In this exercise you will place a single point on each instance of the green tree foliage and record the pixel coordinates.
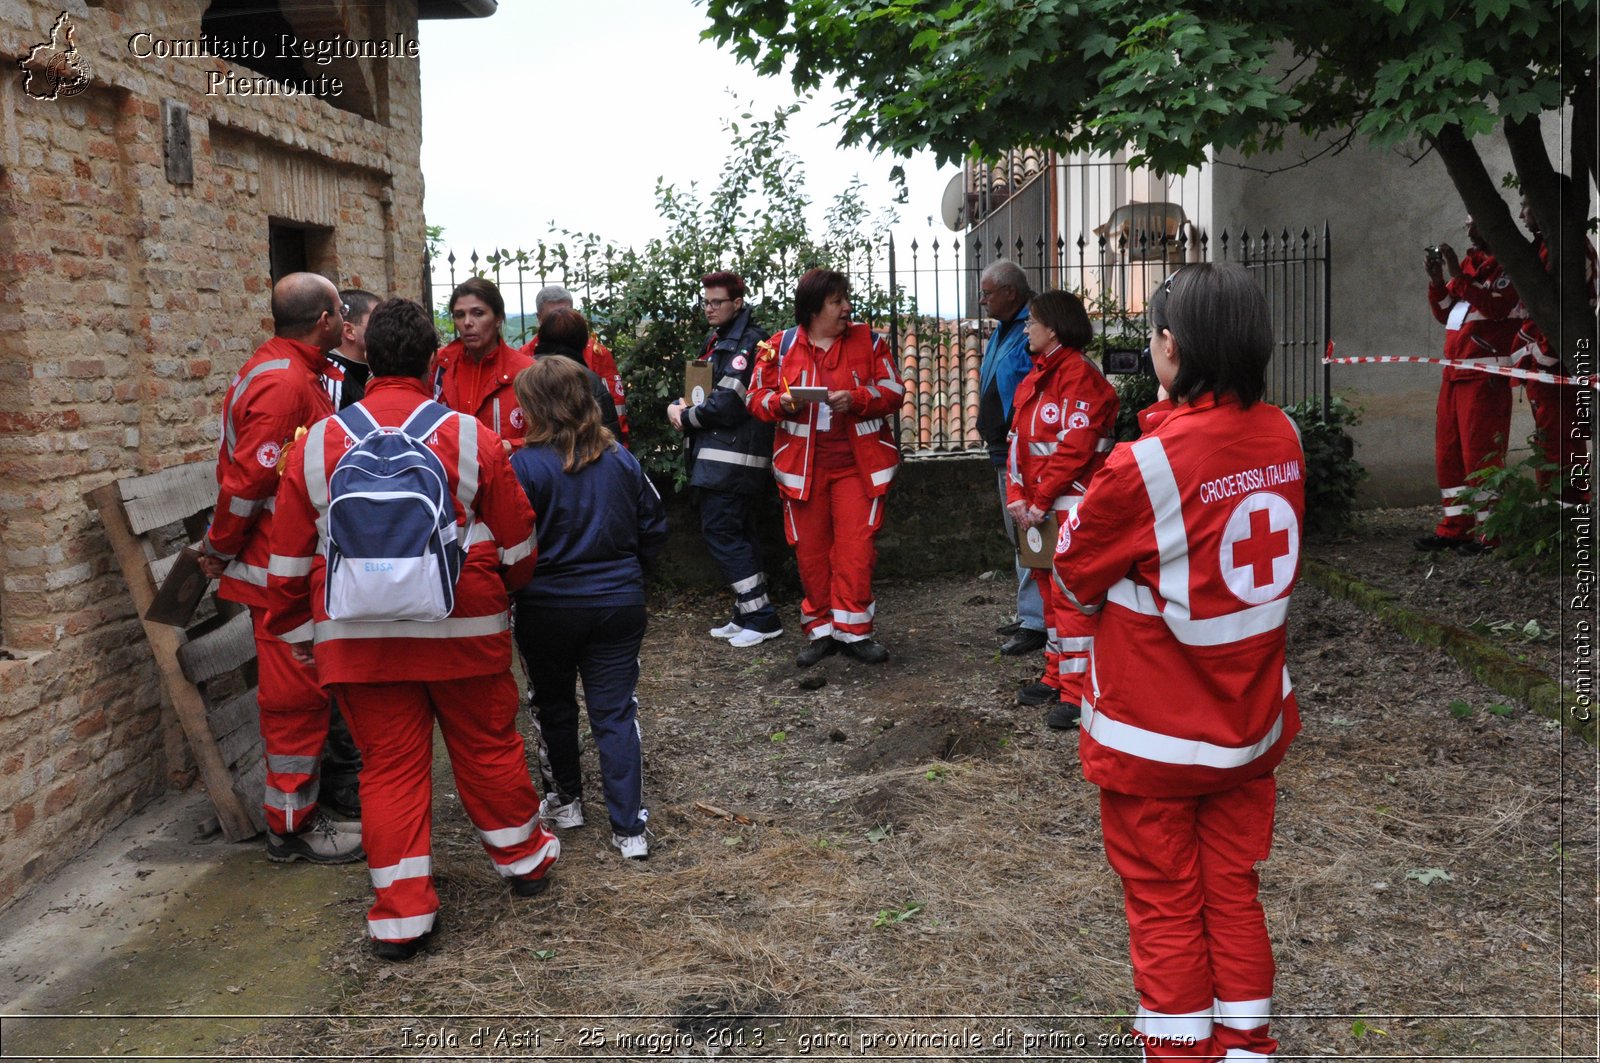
(644, 301)
(1169, 79)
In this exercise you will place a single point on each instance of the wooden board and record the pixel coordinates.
(129, 511)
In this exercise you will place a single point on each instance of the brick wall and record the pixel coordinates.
(126, 304)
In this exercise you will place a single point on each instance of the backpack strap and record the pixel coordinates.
(790, 334)
(436, 410)
(357, 421)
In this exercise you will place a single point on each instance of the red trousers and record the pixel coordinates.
(1202, 961)
(1563, 434)
(1069, 635)
(834, 535)
(294, 728)
(393, 725)
(1472, 424)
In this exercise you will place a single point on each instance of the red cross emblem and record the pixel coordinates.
(1260, 547)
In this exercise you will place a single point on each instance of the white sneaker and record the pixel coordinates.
(324, 842)
(726, 631)
(746, 637)
(632, 846)
(561, 812)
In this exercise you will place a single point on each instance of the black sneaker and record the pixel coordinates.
(867, 651)
(399, 951)
(1064, 717)
(1026, 641)
(816, 650)
(530, 887)
(1008, 629)
(1037, 693)
(1431, 544)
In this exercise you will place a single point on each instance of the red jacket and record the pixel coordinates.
(482, 389)
(1190, 538)
(475, 639)
(597, 356)
(1063, 424)
(877, 394)
(1481, 313)
(276, 392)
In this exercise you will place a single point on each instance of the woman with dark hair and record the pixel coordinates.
(600, 524)
(1063, 422)
(473, 373)
(564, 333)
(1187, 542)
(833, 458)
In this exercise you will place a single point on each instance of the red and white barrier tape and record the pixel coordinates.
(1482, 367)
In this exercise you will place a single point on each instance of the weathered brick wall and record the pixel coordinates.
(126, 305)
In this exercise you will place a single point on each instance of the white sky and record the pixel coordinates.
(630, 83)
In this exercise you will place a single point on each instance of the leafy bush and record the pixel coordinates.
(1524, 519)
(644, 301)
(1134, 393)
(1332, 472)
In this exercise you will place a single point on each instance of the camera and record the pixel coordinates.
(1434, 253)
(1126, 361)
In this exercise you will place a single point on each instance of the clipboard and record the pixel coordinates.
(697, 383)
(1036, 546)
(181, 592)
(808, 395)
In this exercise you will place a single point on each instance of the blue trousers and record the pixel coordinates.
(600, 644)
(727, 521)
(1030, 606)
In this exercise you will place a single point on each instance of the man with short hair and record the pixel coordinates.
(1004, 293)
(276, 396)
(730, 458)
(345, 376)
(395, 677)
(596, 355)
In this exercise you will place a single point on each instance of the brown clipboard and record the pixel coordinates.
(181, 592)
(1036, 546)
(697, 383)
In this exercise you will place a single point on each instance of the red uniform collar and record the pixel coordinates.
(312, 358)
(399, 383)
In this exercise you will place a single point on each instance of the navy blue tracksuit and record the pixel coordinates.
(730, 461)
(583, 614)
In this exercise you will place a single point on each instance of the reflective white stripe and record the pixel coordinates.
(288, 567)
(316, 470)
(464, 627)
(1242, 1014)
(1192, 1026)
(789, 479)
(528, 864)
(412, 926)
(1288, 687)
(254, 575)
(1077, 645)
(732, 383)
(877, 396)
(303, 633)
(844, 616)
(891, 384)
(872, 513)
(1066, 501)
(244, 507)
(1211, 631)
(690, 418)
(1043, 450)
(883, 476)
(755, 605)
(410, 867)
(1072, 665)
(1454, 511)
(1451, 492)
(1245, 1053)
(732, 457)
(622, 409)
(1168, 749)
(745, 586)
(1104, 444)
(502, 837)
(230, 431)
(467, 462)
(819, 632)
(797, 429)
(478, 533)
(1172, 541)
(304, 797)
(869, 426)
(518, 552)
(291, 765)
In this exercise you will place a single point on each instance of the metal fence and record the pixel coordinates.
(923, 297)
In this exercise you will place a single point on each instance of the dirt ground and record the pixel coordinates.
(914, 866)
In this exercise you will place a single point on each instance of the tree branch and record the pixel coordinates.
(1561, 209)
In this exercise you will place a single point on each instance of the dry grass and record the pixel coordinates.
(769, 929)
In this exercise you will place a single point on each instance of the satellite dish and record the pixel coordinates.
(953, 203)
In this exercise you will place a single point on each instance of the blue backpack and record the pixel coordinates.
(393, 552)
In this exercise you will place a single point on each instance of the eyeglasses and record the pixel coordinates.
(1167, 287)
(344, 309)
(715, 304)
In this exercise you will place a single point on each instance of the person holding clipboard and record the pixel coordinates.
(831, 387)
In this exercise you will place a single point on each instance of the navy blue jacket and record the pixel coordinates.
(728, 449)
(598, 529)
